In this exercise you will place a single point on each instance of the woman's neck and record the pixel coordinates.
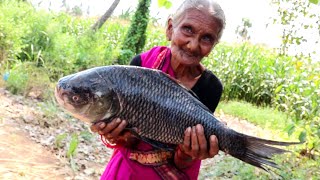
(182, 70)
(187, 75)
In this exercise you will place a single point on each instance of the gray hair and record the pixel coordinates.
(211, 6)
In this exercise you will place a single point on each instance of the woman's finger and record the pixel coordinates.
(96, 127)
(110, 127)
(117, 130)
(186, 141)
(202, 142)
(214, 146)
(194, 143)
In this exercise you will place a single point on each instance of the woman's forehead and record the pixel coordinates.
(196, 13)
(198, 17)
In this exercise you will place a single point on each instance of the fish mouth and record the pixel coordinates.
(60, 95)
(62, 98)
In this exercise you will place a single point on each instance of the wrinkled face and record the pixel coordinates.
(192, 36)
(86, 96)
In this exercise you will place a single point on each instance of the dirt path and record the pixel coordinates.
(28, 138)
(21, 157)
(27, 143)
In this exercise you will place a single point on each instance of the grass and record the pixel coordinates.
(264, 117)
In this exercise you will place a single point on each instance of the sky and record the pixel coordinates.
(257, 11)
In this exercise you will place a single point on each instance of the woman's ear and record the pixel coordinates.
(169, 29)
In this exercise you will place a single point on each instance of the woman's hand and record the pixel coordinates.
(195, 147)
(110, 131)
(195, 144)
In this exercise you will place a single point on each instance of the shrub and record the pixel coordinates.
(136, 35)
(25, 78)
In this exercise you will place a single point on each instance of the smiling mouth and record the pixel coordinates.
(188, 54)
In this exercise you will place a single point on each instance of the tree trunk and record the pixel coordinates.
(106, 15)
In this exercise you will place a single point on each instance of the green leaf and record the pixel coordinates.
(86, 135)
(311, 144)
(164, 3)
(302, 136)
(278, 89)
(59, 139)
(314, 1)
(290, 129)
(73, 145)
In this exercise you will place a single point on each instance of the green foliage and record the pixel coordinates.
(58, 43)
(165, 3)
(136, 35)
(291, 167)
(46, 46)
(59, 140)
(26, 77)
(314, 1)
(155, 37)
(227, 167)
(36, 38)
(11, 43)
(264, 117)
(17, 81)
(255, 75)
(87, 136)
(242, 30)
(73, 146)
(299, 164)
(246, 71)
(50, 110)
(126, 15)
(303, 167)
(76, 48)
(298, 18)
(298, 94)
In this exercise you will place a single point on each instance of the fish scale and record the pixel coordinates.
(144, 98)
(158, 110)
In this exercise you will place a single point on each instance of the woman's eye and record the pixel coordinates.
(187, 29)
(208, 39)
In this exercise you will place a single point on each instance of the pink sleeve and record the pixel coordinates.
(193, 170)
(149, 57)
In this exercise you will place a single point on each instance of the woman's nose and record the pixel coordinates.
(193, 45)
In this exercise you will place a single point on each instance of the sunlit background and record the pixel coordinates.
(260, 14)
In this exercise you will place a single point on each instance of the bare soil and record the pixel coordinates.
(29, 148)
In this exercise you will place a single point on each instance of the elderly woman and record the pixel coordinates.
(193, 30)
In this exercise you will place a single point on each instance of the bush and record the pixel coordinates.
(25, 78)
(136, 36)
(11, 42)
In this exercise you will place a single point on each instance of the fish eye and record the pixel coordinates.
(75, 98)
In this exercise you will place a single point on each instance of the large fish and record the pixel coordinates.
(157, 109)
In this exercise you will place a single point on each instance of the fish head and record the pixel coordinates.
(87, 96)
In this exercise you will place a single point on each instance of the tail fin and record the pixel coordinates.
(259, 152)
